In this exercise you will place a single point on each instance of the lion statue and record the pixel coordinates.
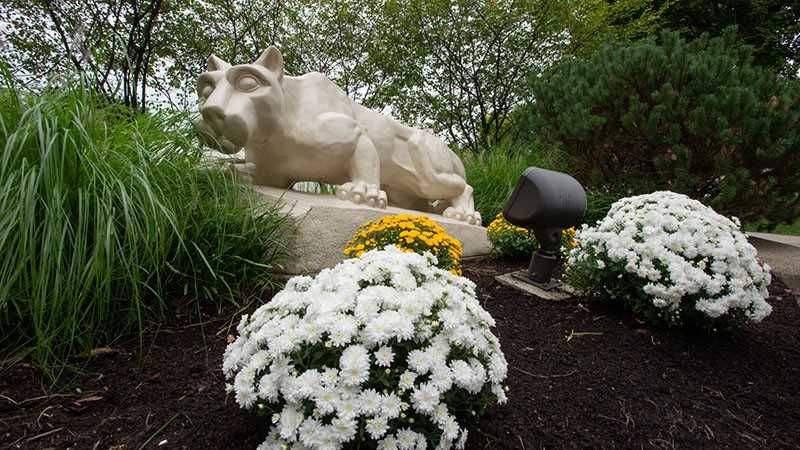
(306, 128)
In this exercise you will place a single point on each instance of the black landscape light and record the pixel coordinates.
(546, 202)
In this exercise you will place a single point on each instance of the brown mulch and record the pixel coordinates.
(580, 376)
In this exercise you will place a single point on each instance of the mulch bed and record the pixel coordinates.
(580, 376)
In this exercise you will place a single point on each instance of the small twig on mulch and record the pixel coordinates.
(33, 399)
(100, 351)
(573, 334)
(572, 372)
(153, 436)
(495, 438)
(46, 433)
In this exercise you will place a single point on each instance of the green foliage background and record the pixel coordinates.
(692, 117)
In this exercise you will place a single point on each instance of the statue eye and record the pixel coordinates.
(247, 83)
(206, 90)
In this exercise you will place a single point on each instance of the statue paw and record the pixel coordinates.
(471, 217)
(474, 218)
(360, 192)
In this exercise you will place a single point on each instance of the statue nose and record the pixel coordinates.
(214, 116)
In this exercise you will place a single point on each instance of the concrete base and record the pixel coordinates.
(325, 224)
(781, 238)
(510, 280)
(783, 258)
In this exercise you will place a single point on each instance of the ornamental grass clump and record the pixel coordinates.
(383, 351)
(410, 233)
(513, 242)
(108, 220)
(672, 261)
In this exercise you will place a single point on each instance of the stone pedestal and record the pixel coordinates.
(325, 224)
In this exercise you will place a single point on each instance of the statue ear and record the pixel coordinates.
(215, 64)
(272, 60)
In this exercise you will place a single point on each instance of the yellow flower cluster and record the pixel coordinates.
(568, 239)
(410, 233)
(501, 225)
(511, 241)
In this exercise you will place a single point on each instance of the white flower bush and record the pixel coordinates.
(672, 260)
(385, 350)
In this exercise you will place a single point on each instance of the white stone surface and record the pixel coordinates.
(509, 280)
(325, 224)
(306, 128)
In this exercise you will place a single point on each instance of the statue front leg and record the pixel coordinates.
(365, 176)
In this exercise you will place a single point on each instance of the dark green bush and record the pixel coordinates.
(691, 117)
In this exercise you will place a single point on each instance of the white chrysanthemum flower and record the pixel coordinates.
(290, 421)
(377, 427)
(388, 443)
(347, 408)
(500, 393)
(425, 398)
(268, 387)
(407, 380)
(462, 373)
(308, 354)
(682, 251)
(406, 439)
(442, 377)
(326, 399)
(391, 405)
(384, 356)
(388, 325)
(354, 365)
(329, 377)
(462, 441)
(370, 401)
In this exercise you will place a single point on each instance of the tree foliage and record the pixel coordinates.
(109, 42)
(457, 66)
(693, 117)
(772, 27)
(593, 23)
(340, 38)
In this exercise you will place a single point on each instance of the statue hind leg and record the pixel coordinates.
(435, 183)
(449, 185)
(462, 207)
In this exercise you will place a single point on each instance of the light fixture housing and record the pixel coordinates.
(546, 202)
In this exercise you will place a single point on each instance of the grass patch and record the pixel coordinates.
(105, 219)
(792, 229)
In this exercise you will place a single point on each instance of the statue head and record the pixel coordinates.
(243, 103)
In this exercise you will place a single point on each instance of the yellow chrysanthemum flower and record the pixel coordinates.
(511, 241)
(410, 233)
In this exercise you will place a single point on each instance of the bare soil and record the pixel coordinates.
(580, 376)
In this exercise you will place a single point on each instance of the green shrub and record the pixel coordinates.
(692, 117)
(106, 220)
(494, 172)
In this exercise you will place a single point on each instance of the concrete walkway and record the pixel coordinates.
(782, 253)
(782, 238)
